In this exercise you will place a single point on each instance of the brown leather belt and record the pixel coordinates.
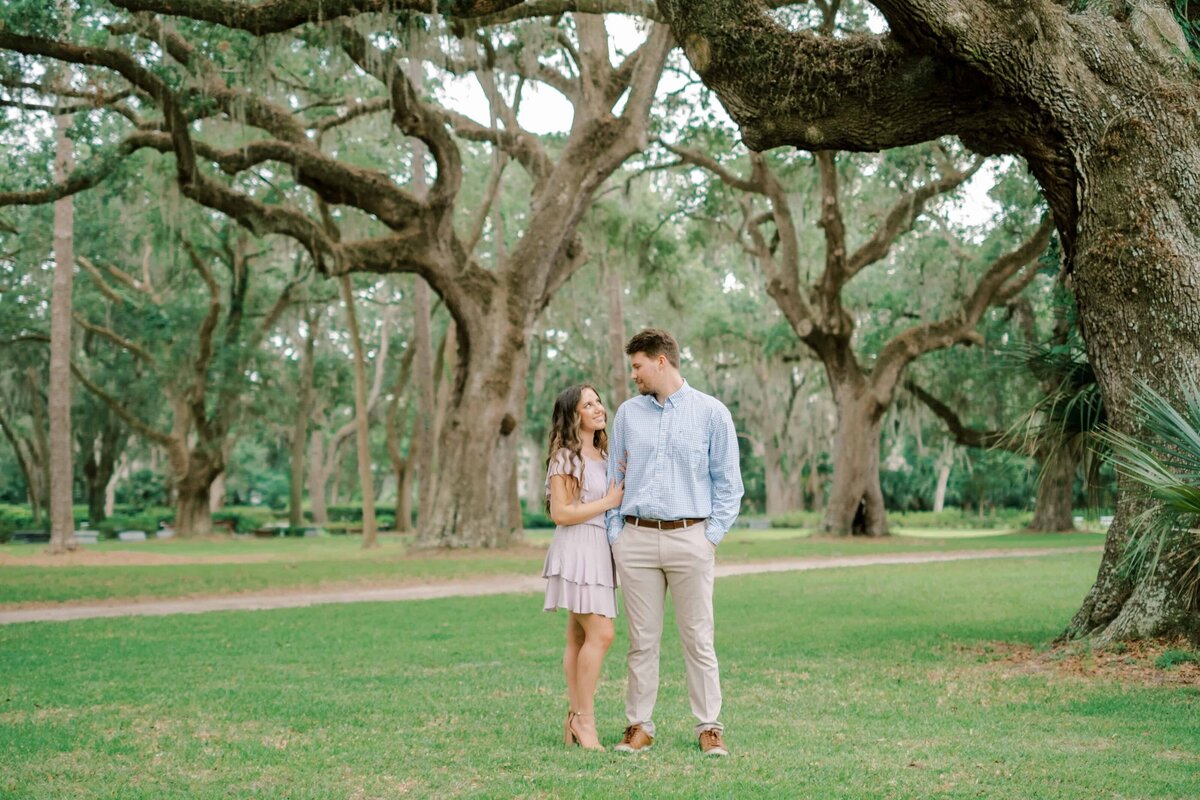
(662, 524)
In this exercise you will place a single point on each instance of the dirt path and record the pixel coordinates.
(506, 584)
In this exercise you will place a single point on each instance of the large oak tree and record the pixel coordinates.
(232, 119)
(1103, 103)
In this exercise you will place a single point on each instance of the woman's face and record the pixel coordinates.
(592, 416)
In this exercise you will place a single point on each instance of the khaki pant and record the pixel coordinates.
(649, 562)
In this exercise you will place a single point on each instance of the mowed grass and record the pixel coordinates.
(869, 682)
(297, 564)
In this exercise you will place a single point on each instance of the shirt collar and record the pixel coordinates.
(675, 399)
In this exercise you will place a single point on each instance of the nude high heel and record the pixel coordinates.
(568, 736)
(582, 728)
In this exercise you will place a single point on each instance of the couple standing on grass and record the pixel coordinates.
(650, 505)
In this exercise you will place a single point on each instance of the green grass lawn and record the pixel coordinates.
(871, 682)
(290, 564)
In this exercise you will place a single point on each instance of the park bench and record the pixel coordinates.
(30, 537)
(132, 536)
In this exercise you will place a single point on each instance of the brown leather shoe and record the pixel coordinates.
(634, 740)
(712, 743)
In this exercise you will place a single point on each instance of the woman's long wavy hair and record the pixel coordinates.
(564, 434)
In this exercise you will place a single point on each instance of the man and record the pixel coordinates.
(683, 488)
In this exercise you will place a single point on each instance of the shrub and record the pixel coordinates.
(147, 520)
(14, 517)
(951, 518)
(246, 518)
(352, 512)
(797, 519)
(958, 518)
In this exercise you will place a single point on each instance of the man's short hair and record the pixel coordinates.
(654, 343)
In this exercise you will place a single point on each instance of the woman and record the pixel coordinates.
(579, 567)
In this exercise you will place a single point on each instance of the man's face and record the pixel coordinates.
(646, 372)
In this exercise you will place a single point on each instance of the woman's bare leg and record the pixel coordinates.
(598, 636)
(575, 640)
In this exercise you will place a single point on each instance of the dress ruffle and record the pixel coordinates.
(579, 571)
(579, 598)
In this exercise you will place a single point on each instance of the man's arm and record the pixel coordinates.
(616, 455)
(726, 475)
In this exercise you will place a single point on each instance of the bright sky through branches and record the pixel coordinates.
(544, 111)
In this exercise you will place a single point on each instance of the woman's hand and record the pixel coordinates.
(616, 492)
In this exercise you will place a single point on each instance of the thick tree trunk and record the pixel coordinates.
(1055, 509)
(1137, 279)
(62, 474)
(474, 505)
(193, 496)
(856, 500)
(193, 514)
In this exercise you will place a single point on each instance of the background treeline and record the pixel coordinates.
(884, 345)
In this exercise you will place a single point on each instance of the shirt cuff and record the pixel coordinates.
(714, 535)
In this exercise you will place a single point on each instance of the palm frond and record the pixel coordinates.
(1165, 463)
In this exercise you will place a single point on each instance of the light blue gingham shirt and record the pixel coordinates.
(682, 462)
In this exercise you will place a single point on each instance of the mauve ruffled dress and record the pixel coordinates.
(579, 571)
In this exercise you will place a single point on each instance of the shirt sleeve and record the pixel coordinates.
(613, 520)
(725, 474)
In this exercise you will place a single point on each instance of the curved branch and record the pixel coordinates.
(963, 435)
(115, 338)
(855, 93)
(270, 16)
(118, 408)
(99, 281)
(995, 287)
(902, 215)
(410, 114)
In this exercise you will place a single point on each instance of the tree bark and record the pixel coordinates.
(193, 509)
(62, 473)
(479, 444)
(1054, 510)
(856, 499)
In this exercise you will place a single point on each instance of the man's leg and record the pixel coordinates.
(688, 560)
(644, 588)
